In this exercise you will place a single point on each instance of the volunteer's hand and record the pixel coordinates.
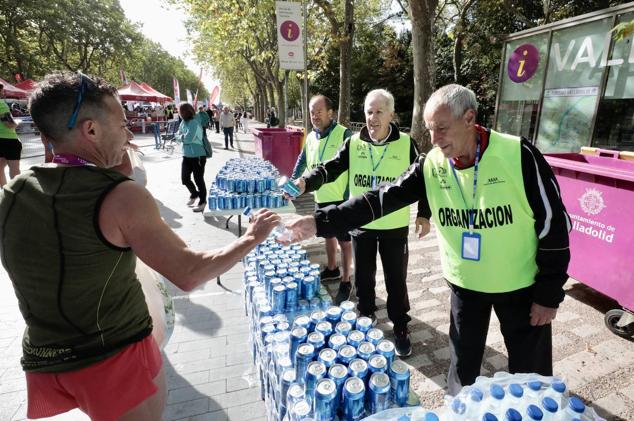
(541, 315)
(261, 224)
(302, 228)
(301, 185)
(423, 225)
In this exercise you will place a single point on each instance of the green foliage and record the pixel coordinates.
(623, 30)
(94, 36)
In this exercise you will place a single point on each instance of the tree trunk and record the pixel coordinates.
(303, 95)
(271, 98)
(281, 112)
(345, 63)
(457, 57)
(422, 13)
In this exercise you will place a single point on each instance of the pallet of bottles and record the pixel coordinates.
(315, 361)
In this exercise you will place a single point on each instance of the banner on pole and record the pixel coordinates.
(200, 76)
(177, 92)
(190, 99)
(215, 95)
(289, 35)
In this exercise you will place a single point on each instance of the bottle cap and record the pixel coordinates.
(535, 385)
(516, 390)
(458, 407)
(576, 405)
(475, 394)
(430, 416)
(559, 387)
(534, 413)
(550, 405)
(496, 391)
(513, 415)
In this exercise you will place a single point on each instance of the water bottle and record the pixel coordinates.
(458, 409)
(549, 408)
(474, 404)
(575, 409)
(280, 232)
(515, 397)
(495, 402)
(557, 391)
(288, 187)
(534, 413)
(533, 392)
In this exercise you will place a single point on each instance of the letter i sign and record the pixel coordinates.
(289, 30)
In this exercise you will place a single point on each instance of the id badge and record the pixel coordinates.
(471, 243)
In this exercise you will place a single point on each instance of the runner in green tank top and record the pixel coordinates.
(71, 232)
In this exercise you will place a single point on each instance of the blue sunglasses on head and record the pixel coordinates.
(80, 98)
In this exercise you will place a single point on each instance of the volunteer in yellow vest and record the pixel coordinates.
(10, 145)
(376, 155)
(321, 145)
(502, 232)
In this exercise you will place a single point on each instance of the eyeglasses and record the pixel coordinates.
(85, 80)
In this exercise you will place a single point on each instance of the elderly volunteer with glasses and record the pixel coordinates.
(88, 341)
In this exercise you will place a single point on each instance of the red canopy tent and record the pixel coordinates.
(134, 92)
(155, 92)
(11, 91)
(28, 85)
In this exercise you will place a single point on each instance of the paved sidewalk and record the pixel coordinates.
(210, 376)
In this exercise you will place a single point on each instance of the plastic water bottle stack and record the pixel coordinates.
(314, 360)
(507, 397)
(243, 182)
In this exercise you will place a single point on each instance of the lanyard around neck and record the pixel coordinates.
(475, 185)
(70, 159)
(323, 150)
(374, 168)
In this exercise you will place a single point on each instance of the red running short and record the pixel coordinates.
(105, 390)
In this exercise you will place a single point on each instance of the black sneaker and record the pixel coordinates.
(344, 292)
(330, 274)
(402, 342)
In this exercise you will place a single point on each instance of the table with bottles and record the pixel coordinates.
(246, 182)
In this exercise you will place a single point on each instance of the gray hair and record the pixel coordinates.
(458, 98)
(383, 93)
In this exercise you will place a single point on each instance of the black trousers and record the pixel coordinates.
(217, 124)
(228, 131)
(394, 256)
(195, 166)
(529, 347)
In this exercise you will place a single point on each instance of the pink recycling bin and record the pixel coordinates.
(598, 191)
(279, 146)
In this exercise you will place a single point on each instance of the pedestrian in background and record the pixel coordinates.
(10, 145)
(244, 121)
(226, 123)
(190, 134)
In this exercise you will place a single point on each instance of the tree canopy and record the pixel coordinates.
(94, 36)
